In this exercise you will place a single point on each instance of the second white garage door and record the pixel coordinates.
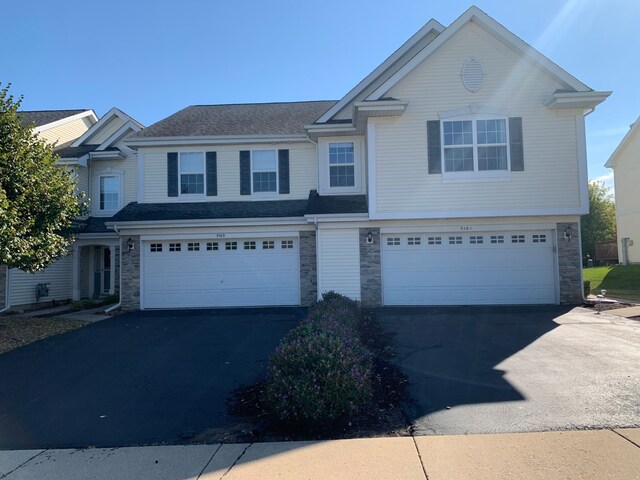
(468, 269)
(221, 273)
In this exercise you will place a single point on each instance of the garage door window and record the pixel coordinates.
(268, 245)
(393, 241)
(249, 245)
(497, 238)
(287, 244)
(175, 247)
(539, 238)
(193, 247)
(455, 240)
(517, 238)
(414, 241)
(476, 240)
(434, 240)
(231, 245)
(212, 246)
(156, 247)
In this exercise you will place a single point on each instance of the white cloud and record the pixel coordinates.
(607, 179)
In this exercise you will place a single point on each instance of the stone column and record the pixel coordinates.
(569, 263)
(75, 274)
(370, 268)
(308, 268)
(130, 273)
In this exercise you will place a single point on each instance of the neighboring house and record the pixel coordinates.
(59, 127)
(455, 173)
(625, 162)
(106, 171)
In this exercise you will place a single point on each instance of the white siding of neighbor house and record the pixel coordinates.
(81, 177)
(66, 132)
(22, 290)
(302, 172)
(128, 167)
(339, 262)
(627, 180)
(551, 171)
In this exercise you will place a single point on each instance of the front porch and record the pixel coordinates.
(96, 267)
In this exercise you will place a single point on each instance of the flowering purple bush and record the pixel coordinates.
(321, 372)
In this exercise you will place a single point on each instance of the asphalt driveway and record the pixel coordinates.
(517, 369)
(139, 378)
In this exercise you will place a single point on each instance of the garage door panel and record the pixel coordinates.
(221, 278)
(416, 273)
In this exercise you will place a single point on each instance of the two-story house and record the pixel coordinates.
(625, 162)
(106, 171)
(455, 173)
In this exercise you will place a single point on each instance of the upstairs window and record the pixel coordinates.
(341, 165)
(109, 192)
(191, 173)
(264, 171)
(475, 145)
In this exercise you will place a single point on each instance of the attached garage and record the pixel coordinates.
(220, 272)
(511, 267)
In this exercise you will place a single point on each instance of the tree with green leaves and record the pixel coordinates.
(38, 201)
(600, 224)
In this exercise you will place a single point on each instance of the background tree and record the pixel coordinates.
(600, 224)
(38, 203)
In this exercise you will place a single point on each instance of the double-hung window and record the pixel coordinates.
(475, 145)
(109, 192)
(264, 171)
(192, 173)
(341, 165)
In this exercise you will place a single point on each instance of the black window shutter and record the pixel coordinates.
(433, 146)
(516, 147)
(212, 174)
(172, 174)
(245, 172)
(283, 171)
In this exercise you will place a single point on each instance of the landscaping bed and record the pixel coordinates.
(330, 378)
(19, 331)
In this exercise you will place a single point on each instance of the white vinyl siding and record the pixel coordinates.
(339, 262)
(627, 179)
(23, 284)
(551, 176)
(302, 171)
(66, 132)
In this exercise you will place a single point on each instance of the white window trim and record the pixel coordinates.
(191, 196)
(277, 190)
(475, 175)
(95, 204)
(324, 166)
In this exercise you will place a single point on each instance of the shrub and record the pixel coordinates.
(587, 287)
(321, 372)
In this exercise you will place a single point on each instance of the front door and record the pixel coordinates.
(101, 271)
(106, 269)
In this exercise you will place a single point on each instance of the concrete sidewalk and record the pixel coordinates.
(594, 454)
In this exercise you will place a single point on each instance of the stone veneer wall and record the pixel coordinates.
(308, 268)
(569, 264)
(3, 286)
(370, 268)
(130, 291)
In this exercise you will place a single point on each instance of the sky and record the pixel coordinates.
(153, 58)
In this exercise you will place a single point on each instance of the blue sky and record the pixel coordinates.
(152, 58)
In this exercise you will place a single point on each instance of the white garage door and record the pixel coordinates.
(221, 273)
(468, 268)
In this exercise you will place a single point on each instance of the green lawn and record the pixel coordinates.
(620, 281)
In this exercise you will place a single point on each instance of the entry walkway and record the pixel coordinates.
(595, 454)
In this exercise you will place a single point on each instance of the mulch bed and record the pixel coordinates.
(385, 418)
(19, 331)
(605, 306)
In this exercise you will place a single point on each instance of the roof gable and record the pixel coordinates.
(474, 14)
(97, 128)
(46, 119)
(634, 131)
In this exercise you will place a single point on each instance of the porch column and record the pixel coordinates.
(75, 274)
(112, 268)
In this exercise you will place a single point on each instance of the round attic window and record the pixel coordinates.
(472, 75)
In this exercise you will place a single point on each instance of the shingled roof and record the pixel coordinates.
(42, 117)
(314, 205)
(239, 119)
